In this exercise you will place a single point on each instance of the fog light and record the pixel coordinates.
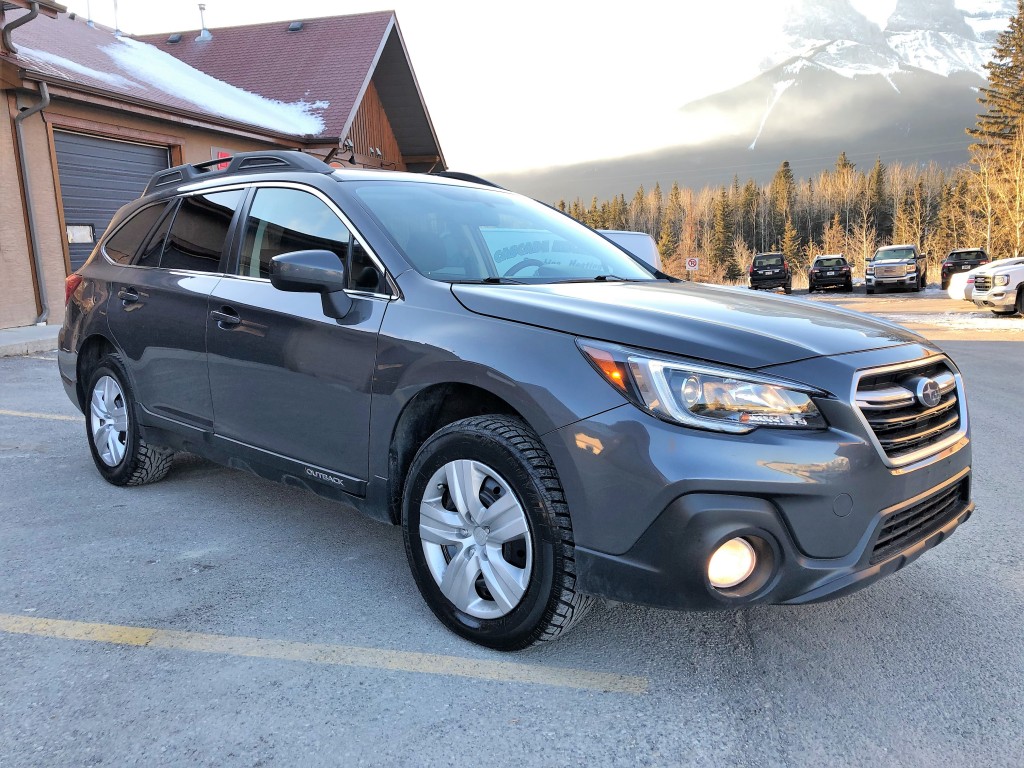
(731, 564)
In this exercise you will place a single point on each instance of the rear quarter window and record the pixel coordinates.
(122, 246)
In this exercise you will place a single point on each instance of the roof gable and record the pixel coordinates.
(325, 60)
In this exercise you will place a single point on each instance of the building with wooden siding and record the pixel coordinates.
(93, 114)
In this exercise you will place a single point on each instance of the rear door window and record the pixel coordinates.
(199, 232)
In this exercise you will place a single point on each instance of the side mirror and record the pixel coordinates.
(313, 272)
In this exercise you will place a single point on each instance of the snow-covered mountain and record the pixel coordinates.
(904, 90)
(920, 36)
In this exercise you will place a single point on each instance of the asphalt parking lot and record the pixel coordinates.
(217, 619)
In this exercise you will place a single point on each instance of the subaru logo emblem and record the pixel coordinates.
(928, 393)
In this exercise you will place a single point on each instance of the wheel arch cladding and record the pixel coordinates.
(431, 409)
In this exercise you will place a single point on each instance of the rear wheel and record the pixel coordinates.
(788, 288)
(116, 441)
(488, 535)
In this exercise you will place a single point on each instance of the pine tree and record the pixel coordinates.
(843, 164)
(1003, 99)
(791, 244)
(721, 231)
(782, 193)
(878, 200)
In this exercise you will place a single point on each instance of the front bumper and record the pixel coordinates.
(997, 298)
(891, 282)
(666, 567)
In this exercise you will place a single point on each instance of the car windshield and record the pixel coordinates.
(768, 261)
(466, 234)
(894, 254)
(835, 261)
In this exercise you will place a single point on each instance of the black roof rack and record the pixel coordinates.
(244, 162)
(459, 175)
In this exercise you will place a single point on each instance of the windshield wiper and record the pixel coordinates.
(602, 279)
(490, 281)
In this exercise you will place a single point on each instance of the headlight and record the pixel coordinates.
(702, 396)
(869, 270)
(911, 267)
(1001, 280)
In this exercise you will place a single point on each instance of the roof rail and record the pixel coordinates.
(460, 176)
(267, 161)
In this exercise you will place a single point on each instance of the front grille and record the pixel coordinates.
(904, 426)
(982, 282)
(908, 526)
(896, 270)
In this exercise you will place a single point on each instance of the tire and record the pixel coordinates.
(1004, 312)
(848, 288)
(1020, 301)
(810, 287)
(788, 288)
(517, 588)
(869, 291)
(116, 440)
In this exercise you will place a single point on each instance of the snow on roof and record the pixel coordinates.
(93, 57)
(168, 74)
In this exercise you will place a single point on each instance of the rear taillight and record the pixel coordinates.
(846, 269)
(751, 270)
(71, 284)
(785, 265)
(983, 262)
(947, 264)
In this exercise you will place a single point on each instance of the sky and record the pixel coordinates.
(535, 83)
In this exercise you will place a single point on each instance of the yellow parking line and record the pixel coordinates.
(31, 415)
(319, 653)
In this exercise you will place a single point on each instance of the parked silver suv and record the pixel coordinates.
(547, 418)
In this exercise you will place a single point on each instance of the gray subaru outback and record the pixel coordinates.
(548, 419)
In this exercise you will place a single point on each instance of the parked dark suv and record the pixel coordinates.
(547, 418)
(962, 260)
(829, 271)
(770, 270)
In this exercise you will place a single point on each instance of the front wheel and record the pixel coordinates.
(116, 441)
(488, 535)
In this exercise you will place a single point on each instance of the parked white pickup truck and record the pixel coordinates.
(999, 286)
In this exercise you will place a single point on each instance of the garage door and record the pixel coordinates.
(98, 176)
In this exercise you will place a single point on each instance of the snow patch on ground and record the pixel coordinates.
(961, 321)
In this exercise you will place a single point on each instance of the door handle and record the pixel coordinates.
(127, 296)
(226, 318)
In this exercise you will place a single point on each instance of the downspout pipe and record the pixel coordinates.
(8, 28)
(37, 261)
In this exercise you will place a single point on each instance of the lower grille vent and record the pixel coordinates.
(908, 526)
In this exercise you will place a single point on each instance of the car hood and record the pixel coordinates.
(713, 323)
